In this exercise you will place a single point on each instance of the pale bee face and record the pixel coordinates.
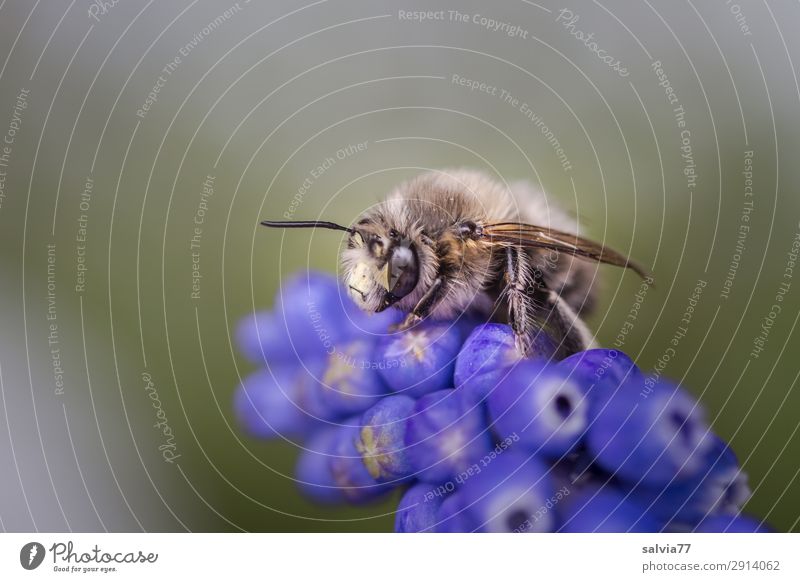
(381, 267)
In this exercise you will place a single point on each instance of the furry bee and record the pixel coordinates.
(454, 241)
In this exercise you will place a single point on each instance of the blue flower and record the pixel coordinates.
(541, 406)
(446, 435)
(278, 402)
(420, 360)
(719, 488)
(261, 337)
(606, 510)
(312, 317)
(350, 384)
(451, 517)
(519, 445)
(313, 472)
(381, 441)
(486, 356)
(314, 312)
(512, 493)
(417, 510)
(606, 369)
(348, 471)
(654, 438)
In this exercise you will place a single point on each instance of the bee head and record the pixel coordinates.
(381, 265)
(380, 262)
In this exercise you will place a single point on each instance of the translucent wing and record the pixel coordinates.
(529, 235)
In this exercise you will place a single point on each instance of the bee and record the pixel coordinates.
(450, 242)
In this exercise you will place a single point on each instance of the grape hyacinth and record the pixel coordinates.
(478, 438)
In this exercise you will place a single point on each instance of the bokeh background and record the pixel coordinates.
(102, 184)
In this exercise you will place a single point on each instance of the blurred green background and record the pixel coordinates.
(259, 96)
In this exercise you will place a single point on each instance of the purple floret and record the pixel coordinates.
(654, 439)
(541, 406)
(278, 402)
(420, 360)
(347, 466)
(605, 510)
(512, 493)
(382, 439)
(313, 472)
(417, 510)
(350, 384)
(446, 435)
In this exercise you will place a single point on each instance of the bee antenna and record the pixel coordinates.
(307, 224)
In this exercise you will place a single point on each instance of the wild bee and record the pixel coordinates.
(457, 241)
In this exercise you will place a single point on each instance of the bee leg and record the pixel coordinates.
(410, 321)
(532, 306)
(565, 325)
(517, 277)
(423, 306)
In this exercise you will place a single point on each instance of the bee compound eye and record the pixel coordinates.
(403, 271)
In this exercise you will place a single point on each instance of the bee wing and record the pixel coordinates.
(529, 235)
